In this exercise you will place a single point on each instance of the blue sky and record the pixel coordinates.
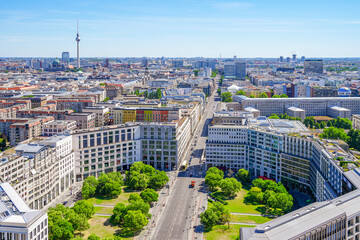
(183, 28)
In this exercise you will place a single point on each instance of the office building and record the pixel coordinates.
(58, 127)
(235, 69)
(313, 66)
(40, 171)
(312, 106)
(116, 147)
(281, 59)
(275, 149)
(335, 219)
(356, 121)
(17, 220)
(65, 57)
(83, 120)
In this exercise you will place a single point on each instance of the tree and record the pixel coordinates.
(322, 125)
(89, 187)
(226, 97)
(134, 197)
(284, 95)
(276, 96)
(240, 92)
(84, 207)
(253, 193)
(158, 179)
(149, 195)
(213, 180)
(209, 218)
(134, 221)
(119, 212)
(252, 96)
(139, 205)
(230, 186)
(263, 95)
(216, 171)
(79, 222)
(158, 93)
(93, 237)
(138, 180)
(317, 125)
(108, 187)
(62, 230)
(334, 133)
(243, 175)
(274, 116)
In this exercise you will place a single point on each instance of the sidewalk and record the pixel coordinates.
(158, 209)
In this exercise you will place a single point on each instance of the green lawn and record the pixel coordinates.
(237, 204)
(221, 232)
(100, 226)
(249, 219)
(123, 197)
(106, 210)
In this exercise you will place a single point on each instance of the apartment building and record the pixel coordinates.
(40, 171)
(17, 220)
(33, 113)
(312, 106)
(57, 127)
(356, 121)
(101, 115)
(278, 153)
(83, 120)
(335, 219)
(10, 112)
(123, 115)
(21, 131)
(72, 103)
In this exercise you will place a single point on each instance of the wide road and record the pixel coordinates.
(180, 217)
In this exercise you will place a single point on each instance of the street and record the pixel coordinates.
(180, 219)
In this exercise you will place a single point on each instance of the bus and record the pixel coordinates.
(183, 166)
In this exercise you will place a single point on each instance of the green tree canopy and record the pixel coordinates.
(149, 195)
(226, 97)
(93, 237)
(263, 95)
(241, 92)
(85, 208)
(230, 186)
(243, 175)
(134, 221)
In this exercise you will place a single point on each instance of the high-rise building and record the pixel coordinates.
(294, 57)
(65, 58)
(314, 66)
(281, 58)
(288, 59)
(303, 58)
(235, 69)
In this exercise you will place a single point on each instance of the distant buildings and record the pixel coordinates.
(313, 66)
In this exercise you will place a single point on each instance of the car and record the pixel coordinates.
(64, 203)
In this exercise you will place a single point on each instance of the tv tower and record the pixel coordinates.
(77, 39)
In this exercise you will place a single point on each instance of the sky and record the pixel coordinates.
(180, 28)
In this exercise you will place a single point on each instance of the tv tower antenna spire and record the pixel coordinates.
(77, 39)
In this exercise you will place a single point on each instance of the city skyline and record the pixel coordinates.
(180, 29)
